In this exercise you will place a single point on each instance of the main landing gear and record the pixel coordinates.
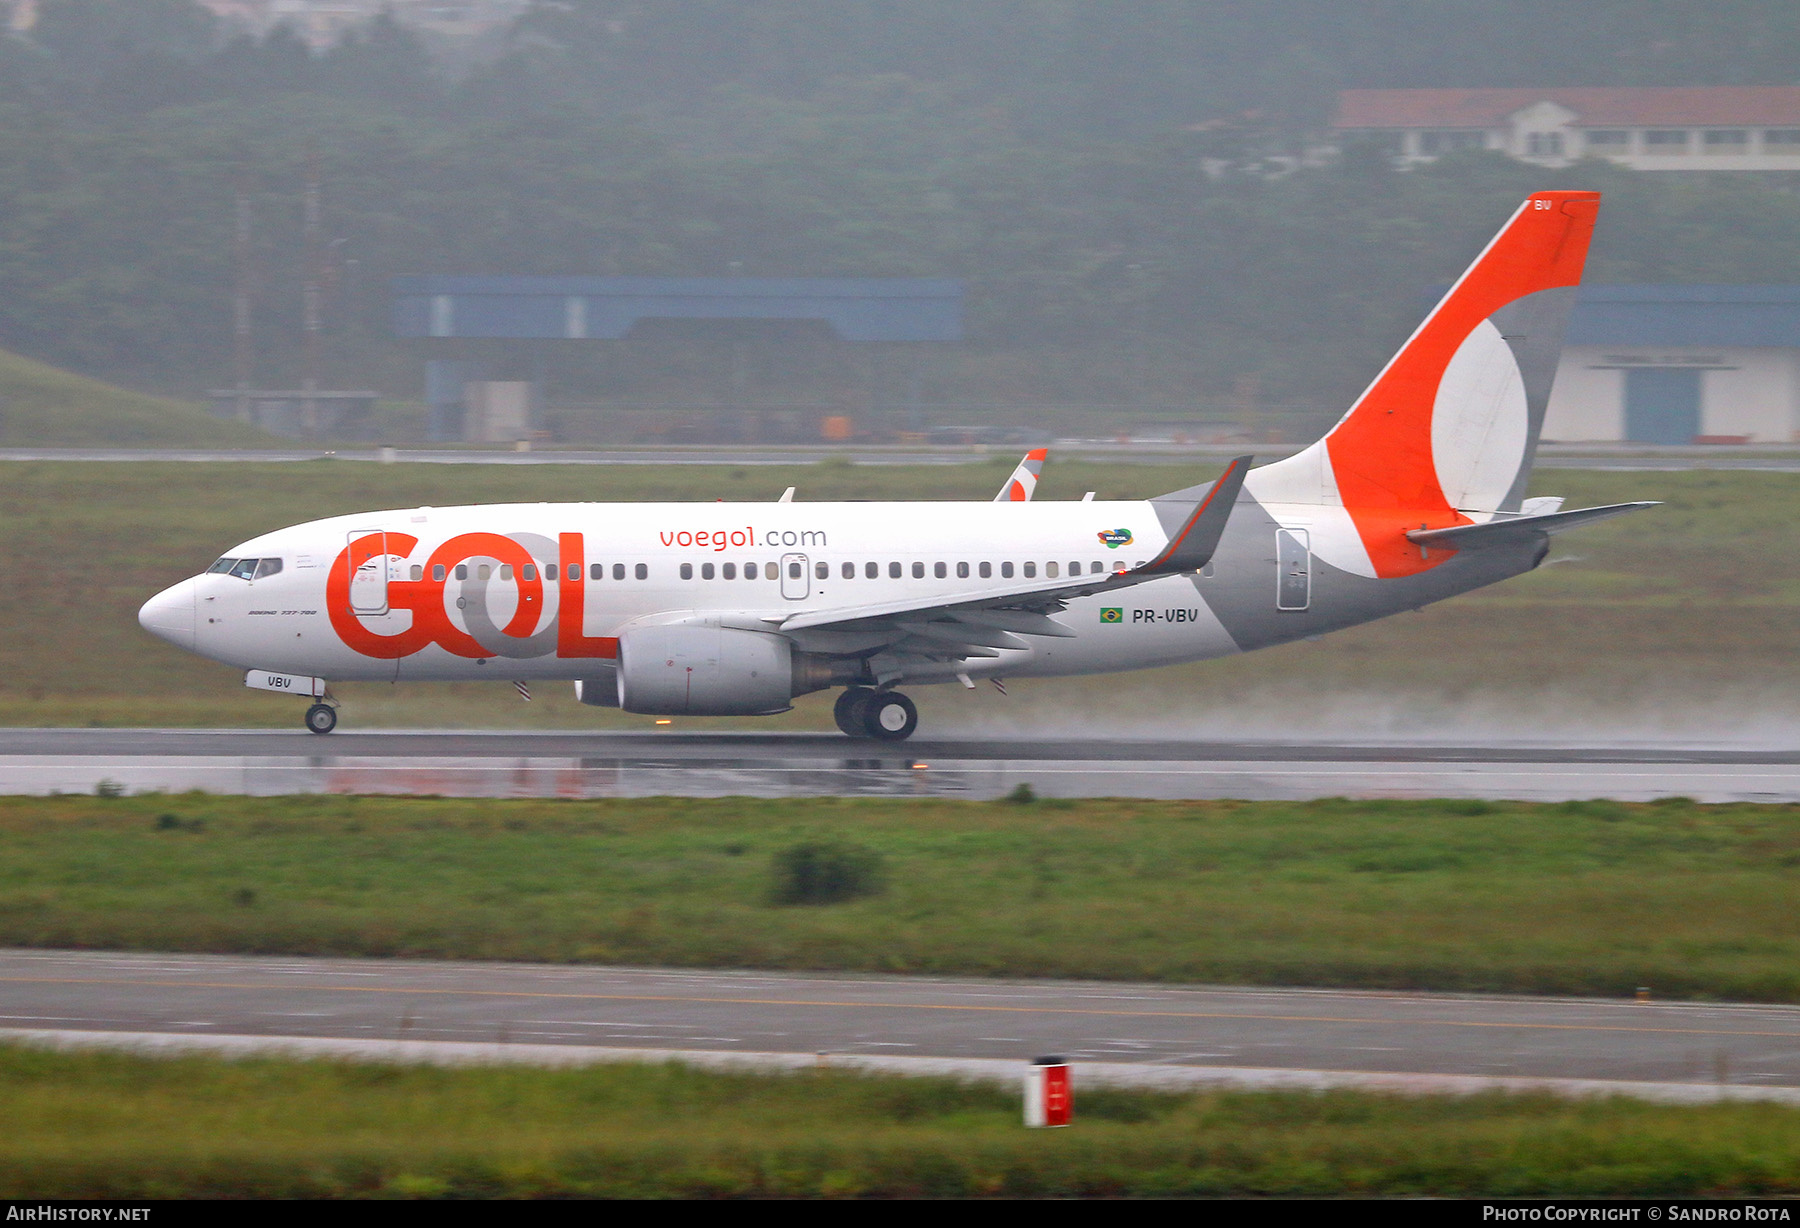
(321, 718)
(887, 716)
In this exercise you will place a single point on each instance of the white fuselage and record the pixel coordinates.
(451, 597)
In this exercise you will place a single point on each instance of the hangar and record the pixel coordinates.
(469, 326)
(1665, 364)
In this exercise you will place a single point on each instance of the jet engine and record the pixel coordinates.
(714, 671)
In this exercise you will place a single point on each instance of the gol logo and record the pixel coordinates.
(431, 623)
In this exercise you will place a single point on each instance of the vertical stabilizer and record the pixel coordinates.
(1019, 487)
(1446, 433)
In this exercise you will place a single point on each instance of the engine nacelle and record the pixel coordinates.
(706, 671)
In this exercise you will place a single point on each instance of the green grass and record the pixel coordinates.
(116, 1126)
(1580, 898)
(1684, 615)
(44, 406)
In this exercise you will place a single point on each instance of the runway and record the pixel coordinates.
(1143, 1033)
(692, 764)
(1762, 457)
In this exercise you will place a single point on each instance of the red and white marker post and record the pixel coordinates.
(1049, 1098)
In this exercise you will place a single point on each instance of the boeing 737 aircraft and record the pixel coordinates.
(736, 608)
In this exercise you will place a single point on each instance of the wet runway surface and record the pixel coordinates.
(683, 1011)
(1550, 456)
(683, 763)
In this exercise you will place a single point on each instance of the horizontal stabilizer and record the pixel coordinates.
(1515, 529)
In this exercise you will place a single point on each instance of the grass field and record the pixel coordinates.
(1676, 620)
(41, 405)
(1582, 898)
(115, 1126)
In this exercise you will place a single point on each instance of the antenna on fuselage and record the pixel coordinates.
(787, 496)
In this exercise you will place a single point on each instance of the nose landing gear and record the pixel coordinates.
(321, 718)
(887, 716)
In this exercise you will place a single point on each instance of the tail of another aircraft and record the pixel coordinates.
(1446, 433)
(1023, 480)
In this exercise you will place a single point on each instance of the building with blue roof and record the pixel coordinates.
(1665, 364)
(458, 319)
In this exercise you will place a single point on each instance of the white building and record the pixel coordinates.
(1711, 128)
(1679, 365)
(323, 22)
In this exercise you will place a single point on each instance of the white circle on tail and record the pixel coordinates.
(1479, 423)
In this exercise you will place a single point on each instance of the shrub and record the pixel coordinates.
(825, 872)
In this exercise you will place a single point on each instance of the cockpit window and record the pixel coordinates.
(267, 567)
(244, 569)
(220, 567)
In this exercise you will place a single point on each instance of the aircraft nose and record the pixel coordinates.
(170, 615)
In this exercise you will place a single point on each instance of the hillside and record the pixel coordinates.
(45, 406)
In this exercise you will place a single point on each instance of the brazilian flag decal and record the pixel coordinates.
(1112, 614)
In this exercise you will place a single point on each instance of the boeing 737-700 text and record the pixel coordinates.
(729, 609)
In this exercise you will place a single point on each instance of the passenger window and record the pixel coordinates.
(643, 571)
(849, 571)
(619, 571)
(1097, 567)
(484, 572)
(687, 571)
(893, 571)
(221, 567)
(749, 571)
(728, 571)
(1075, 568)
(462, 571)
(794, 571)
(272, 567)
(506, 571)
(437, 572)
(529, 571)
(596, 571)
(1030, 570)
(822, 570)
(575, 573)
(418, 572)
(706, 571)
(938, 570)
(918, 571)
(245, 569)
(962, 571)
(987, 571)
(1050, 569)
(872, 571)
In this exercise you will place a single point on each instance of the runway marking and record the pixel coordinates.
(915, 1006)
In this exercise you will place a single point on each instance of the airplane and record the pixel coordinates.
(689, 609)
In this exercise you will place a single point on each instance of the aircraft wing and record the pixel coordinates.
(978, 624)
(1515, 529)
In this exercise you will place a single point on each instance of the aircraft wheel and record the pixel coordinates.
(847, 712)
(890, 716)
(321, 718)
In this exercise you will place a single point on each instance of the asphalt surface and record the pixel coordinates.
(661, 1012)
(1550, 456)
(686, 763)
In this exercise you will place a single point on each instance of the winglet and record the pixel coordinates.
(1196, 535)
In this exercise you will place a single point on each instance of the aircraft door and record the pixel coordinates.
(795, 582)
(368, 563)
(1293, 569)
